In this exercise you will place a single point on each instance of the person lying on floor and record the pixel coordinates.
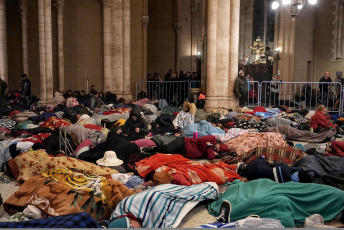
(319, 122)
(167, 204)
(203, 128)
(194, 148)
(336, 148)
(159, 140)
(176, 169)
(163, 124)
(134, 128)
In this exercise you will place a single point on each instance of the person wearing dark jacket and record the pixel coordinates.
(325, 87)
(26, 89)
(241, 88)
(135, 127)
(194, 148)
(163, 124)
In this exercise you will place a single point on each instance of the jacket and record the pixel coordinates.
(26, 91)
(319, 121)
(130, 125)
(240, 86)
(196, 148)
(324, 87)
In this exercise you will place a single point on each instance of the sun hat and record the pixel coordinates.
(110, 159)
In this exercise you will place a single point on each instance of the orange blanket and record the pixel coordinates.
(55, 198)
(193, 171)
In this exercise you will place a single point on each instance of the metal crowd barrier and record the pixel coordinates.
(296, 95)
(172, 91)
(254, 94)
(302, 95)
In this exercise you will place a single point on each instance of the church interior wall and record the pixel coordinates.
(304, 44)
(83, 43)
(325, 30)
(33, 46)
(161, 37)
(14, 37)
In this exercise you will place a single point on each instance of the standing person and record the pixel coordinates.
(26, 89)
(325, 87)
(3, 91)
(338, 87)
(241, 88)
(275, 89)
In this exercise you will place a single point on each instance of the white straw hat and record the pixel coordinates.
(109, 159)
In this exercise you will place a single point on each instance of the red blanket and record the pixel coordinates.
(195, 172)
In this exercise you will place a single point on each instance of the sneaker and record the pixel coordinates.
(225, 212)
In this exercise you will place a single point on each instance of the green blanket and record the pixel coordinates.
(290, 203)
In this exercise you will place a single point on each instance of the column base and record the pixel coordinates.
(46, 102)
(213, 102)
(127, 96)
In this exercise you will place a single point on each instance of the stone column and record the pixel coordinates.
(60, 5)
(117, 48)
(48, 50)
(178, 28)
(3, 42)
(107, 43)
(204, 41)
(42, 51)
(145, 21)
(233, 52)
(23, 13)
(126, 51)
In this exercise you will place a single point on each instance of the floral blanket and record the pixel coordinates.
(195, 172)
(248, 141)
(32, 163)
(54, 123)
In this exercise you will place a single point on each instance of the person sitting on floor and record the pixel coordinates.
(135, 127)
(319, 122)
(186, 116)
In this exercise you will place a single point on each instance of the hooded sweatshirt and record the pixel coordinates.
(130, 125)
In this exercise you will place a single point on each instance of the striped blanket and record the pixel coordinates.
(166, 205)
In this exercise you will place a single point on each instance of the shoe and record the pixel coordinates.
(225, 212)
(338, 135)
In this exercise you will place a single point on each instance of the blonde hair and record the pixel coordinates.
(320, 108)
(191, 107)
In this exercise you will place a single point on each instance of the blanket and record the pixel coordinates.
(195, 172)
(301, 135)
(77, 220)
(32, 163)
(291, 202)
(112, 117)
(62, 191)
(231, 134)
(322, 165)
(248, 141)
(288, 155)
(83, 134)
(55, 123)
(203, 128)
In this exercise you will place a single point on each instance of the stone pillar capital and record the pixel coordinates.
(145, 21)
(196, 4)
(178, 26)
(107, 4)
(59, 4)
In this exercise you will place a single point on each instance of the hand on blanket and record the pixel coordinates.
(137, 130)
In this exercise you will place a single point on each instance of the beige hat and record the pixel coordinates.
(109, 159)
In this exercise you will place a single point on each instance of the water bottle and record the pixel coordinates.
(195, 134)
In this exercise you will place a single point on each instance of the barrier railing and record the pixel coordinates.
(171, 91)
(297, 95)
(302, 95)
(253, 97)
